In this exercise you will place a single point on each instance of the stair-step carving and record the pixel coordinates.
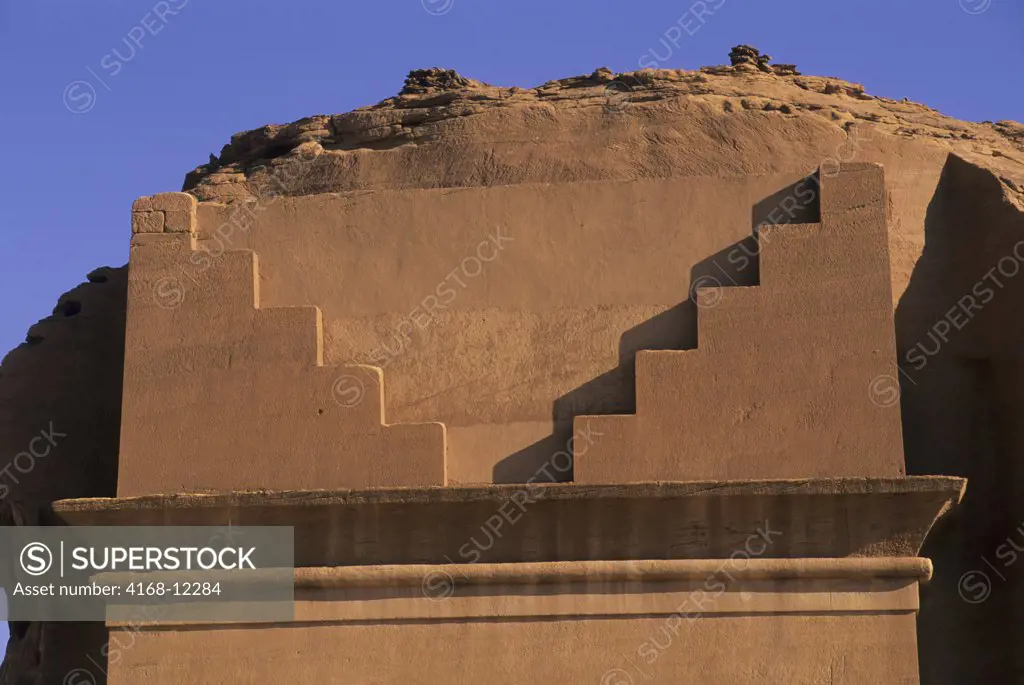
(780, 385)
(220, 394)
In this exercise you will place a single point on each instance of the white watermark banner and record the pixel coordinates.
(152, 573)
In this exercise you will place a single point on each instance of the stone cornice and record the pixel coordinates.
(564, 522)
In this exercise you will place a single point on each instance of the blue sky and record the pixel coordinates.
(200, 70)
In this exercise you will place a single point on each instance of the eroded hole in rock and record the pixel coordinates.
(69, 308)
(275, 151)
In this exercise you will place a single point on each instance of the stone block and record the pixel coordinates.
(147, 222)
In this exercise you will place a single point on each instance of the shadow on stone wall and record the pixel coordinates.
(676, 328)
(959, 335)
(62, 385)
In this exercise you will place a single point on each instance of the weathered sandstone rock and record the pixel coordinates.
(698, 155)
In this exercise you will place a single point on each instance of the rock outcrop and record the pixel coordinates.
(956, 202)
(63, 385)
(745, 55)
(444, 130)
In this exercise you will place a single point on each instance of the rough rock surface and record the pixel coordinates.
(444, 130)
(64, 381)
(747, 55)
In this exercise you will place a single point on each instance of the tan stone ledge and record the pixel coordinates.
(823, 518)
(946, 485)
(618, 589)
(651, 570)
(733, 570)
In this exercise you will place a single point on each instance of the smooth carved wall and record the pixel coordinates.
(863, 649)
(505, 312)
(789, 378)
(501, 312)
(221, 394)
